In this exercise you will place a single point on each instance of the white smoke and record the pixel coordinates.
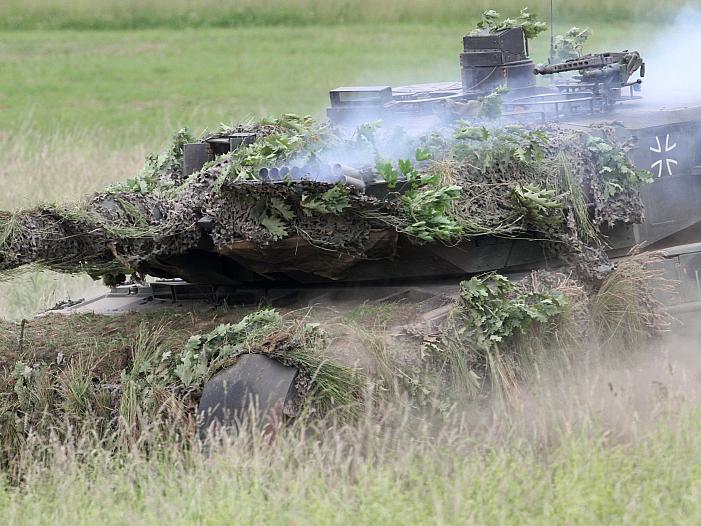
(673, 60)
(389, 138)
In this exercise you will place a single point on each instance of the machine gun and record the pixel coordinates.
(610, 68)
(604, 73)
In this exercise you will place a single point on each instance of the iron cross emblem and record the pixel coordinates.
(665, 161)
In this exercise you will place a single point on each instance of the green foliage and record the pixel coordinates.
(282, 208)
(493, 309)
(515, 181)
(331, 385)
(332, 201)
(426, 203)
(283, 137)
(427, 209)
(491, 105)
(615, 168)
(388, 173)
(506, 182)
(472, 133)
(275, 225)
(571, 44)
(137, 379)
(530, 23)
(278, 214)
(532, 26)
(490, 20)
(290, 134)
(406, 171)
(162, 170)
(264, 152)
(367, 130)
(540, 206)
(481, 337)
(423, 154)
(505, 149)
(203, 353)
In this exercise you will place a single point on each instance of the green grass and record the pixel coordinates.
(607, 441)
(140, 14)
(379, 476)
(144, 85)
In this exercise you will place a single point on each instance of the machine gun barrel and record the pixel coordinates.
(586, 62)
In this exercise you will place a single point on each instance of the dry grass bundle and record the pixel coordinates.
(625, 311)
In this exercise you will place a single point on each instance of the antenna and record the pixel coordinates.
(552, 33)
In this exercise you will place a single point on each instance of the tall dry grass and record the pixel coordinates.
(609, 443)
(49, 167)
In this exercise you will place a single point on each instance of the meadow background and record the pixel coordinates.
(88, 88)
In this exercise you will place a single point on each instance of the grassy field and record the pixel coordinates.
(89, 88)
(132, 87)
(419, 480)
(140, 14)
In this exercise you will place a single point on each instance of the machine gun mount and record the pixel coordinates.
(604, 73)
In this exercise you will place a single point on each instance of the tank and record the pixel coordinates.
(293, 271)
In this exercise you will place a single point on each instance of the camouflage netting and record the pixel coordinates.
(457, 183)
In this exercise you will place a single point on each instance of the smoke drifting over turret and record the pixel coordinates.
(673, 68)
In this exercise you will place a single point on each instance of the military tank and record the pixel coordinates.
(293, 271)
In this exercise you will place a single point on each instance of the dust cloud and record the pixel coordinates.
(618, 397)
(673, 60)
